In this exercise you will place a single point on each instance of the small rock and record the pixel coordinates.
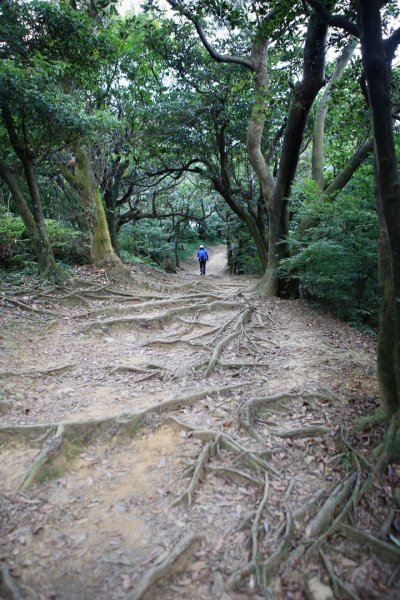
(318, 590)
(396, 497)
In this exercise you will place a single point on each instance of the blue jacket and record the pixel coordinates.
(202, 254)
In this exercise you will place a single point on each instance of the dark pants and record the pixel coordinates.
(202, 264)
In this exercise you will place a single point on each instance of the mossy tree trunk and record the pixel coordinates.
(82, 179)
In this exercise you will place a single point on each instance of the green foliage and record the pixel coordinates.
(333, 252)
(242, 253)
(144, 242)
(69, 246)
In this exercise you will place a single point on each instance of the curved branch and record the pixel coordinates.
(334, 20)
(221, 58)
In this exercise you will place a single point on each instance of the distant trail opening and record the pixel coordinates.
(216, 265)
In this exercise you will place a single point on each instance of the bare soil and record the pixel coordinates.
(189, 434)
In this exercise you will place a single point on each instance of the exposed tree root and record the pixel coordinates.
(241, 365)
(236, 473)
(255, 558)
(249, 408)
(51, 449)
(163, 342)
(174, 562)
(25, 306)
(272, 563)
(151, 304)
(169, 314)
(81, 432)
(303, 432)
(56, 371)
(325, 514)
(8, 588)
(146, 370)
(383, 550)
(369, 421)
(338, 586)
(198, 474)
(225, 442)
(351, 502)
(238, 327)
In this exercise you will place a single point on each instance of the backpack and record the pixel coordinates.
(202, 254)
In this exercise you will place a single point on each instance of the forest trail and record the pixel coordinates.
(177, 439)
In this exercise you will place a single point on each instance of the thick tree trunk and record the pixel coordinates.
(46, 263)
(40, 244)
(377, 72)
(317, 160)
(83, 181)
(308, 88)
(259, 55)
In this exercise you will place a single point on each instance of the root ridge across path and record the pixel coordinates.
(180, 438)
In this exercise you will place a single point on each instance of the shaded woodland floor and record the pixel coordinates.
(177, 437)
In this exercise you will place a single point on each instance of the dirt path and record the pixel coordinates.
(184, 419)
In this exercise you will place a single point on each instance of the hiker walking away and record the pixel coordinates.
(202, 257)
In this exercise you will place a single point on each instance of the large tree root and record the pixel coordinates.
(169, 314)
(83, 431)
(325, 514)
(174, 562)
(302, 432)
(8, 588)
(387, 552)
(238, 328)
(151, 304)
(248, 410)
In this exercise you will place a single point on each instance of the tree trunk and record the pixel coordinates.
(259, 55)
(306, 91)
(112, 221)
(46, 263)
(342, 178)
(317, 161)
(37, 234)
(377, 72)
(83, 181)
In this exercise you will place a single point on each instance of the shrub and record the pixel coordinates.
(334, 257)
(69, 246)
